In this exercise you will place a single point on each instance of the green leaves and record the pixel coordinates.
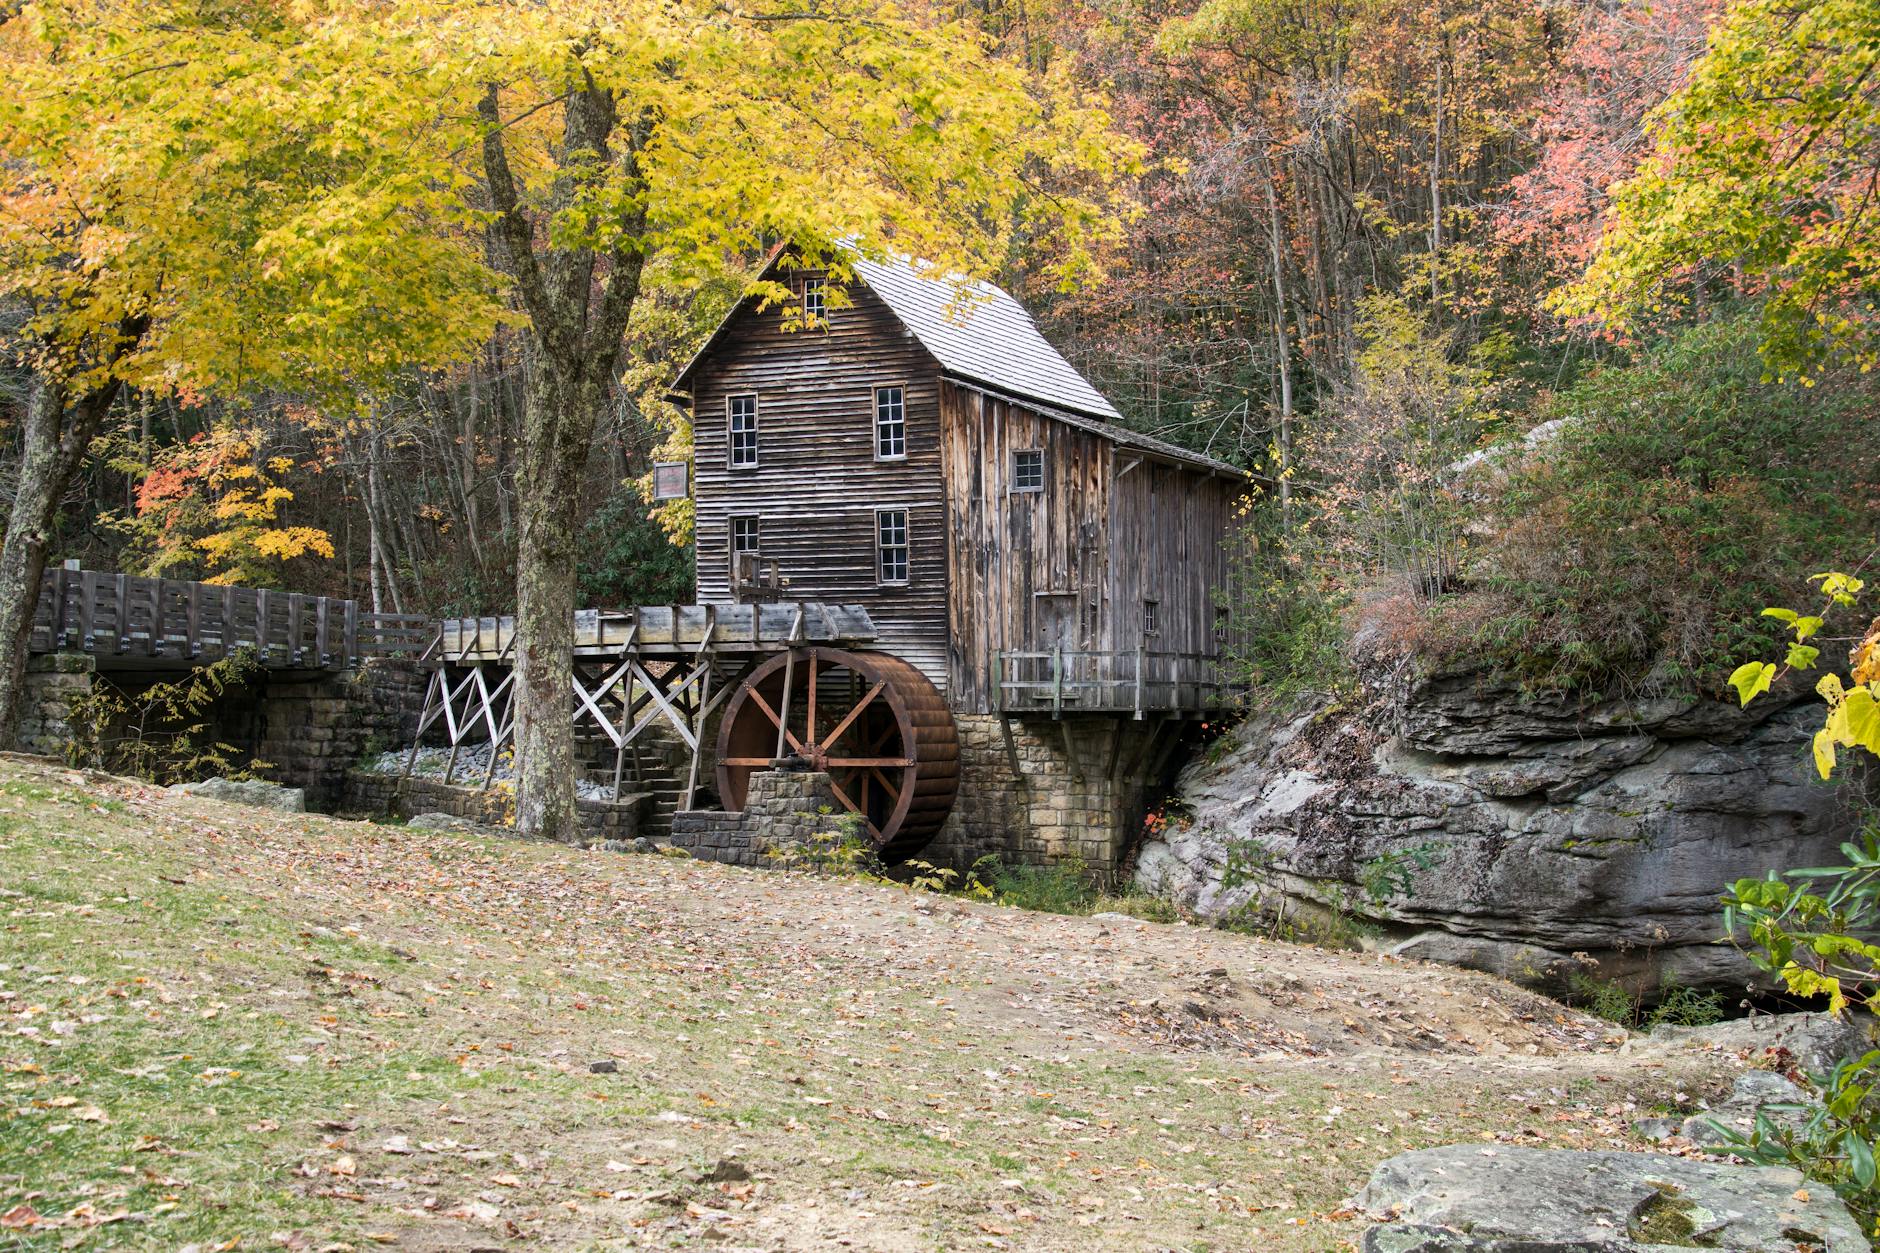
(1752, 678)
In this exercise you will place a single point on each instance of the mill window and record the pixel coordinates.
(1028, 470)
(744, 535)
(1151, 613)
(815, 302)
(890, 424)
(891, 545)
(741, 420)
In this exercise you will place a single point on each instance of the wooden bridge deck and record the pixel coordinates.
(130, 622)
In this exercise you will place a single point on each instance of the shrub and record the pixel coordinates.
(1682, 496)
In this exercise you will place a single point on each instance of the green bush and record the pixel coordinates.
(1061, 888)
(626, 559)
(1683, 495)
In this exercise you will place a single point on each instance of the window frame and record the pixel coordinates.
(875, 421)
(1017, 489)
(820, 285)
(731, 533)
(1151, 618)
(905, 547)
(731, 431)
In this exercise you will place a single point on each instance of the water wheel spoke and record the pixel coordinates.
(894, 793)
(865, 763)
(809, 707)
(757, 698)
(853, 714)
(873, 831)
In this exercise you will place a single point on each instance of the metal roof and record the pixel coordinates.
(977, 331)
(982, 337)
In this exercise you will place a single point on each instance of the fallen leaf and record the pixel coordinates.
(345, 1166)
(20, 1217)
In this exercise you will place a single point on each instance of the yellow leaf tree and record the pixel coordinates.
(589, 141)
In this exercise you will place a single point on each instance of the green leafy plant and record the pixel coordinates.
(1830, 1139)
(1390, 875)
(164, 732)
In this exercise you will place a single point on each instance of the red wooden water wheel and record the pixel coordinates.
(873, 723)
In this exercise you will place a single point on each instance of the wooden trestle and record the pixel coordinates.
(656, 666)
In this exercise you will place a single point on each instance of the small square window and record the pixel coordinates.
(1223, 623)
(670, 481)
(1028, 470)
(744, 535)
(1151, 614)
(890, 424)
(891, 549)
(815, 302)
(741, 426)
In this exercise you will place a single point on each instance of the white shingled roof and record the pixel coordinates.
(977, 331)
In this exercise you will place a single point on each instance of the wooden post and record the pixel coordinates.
(1057, 680)
(783, 710)
(263, 649)
(1142, 654)
(350, 636)
(320, 652)
(293, 628)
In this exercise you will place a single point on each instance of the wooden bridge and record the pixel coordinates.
(131, 622)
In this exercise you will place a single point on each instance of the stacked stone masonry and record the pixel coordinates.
(1077, 794)
(53, 682)
(783, 808)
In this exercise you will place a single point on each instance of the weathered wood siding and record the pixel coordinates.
(1072, 565)
(817, 484)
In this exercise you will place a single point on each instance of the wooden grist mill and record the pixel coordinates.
(940, 583)
(689, 700)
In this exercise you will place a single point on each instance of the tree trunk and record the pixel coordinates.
(1282, 342)
(560, 413)
(57, 433)
(578, 319)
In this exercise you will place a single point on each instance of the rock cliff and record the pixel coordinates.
(1556, 829)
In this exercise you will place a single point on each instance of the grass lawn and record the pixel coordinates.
(234, 1029)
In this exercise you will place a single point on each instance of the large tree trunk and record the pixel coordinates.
(560, 414)
(23, 555)
(58, 431)
(578, 302)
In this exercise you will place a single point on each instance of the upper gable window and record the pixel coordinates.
(741, 430)
(815, 302)
(890, 424)
(1028, 470)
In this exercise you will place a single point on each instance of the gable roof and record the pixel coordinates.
(978, 332)
(984, 338)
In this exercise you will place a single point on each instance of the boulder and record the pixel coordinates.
(1471, 1198)
(436, 821)
(256, 792)
(1561, 834)
(1815, 1043)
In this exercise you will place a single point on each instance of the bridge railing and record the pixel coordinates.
(133, 619)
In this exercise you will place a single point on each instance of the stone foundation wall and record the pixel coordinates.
(1046, 798)
(782, 808)
(52, 682)
(388, 795)
(313, 730)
